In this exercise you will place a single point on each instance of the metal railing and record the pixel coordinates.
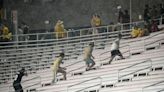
(153, 85)
(79, 33)
(37, 35)
(82, 89)
(148, 67)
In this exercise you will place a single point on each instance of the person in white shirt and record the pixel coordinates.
(88, 57)
(57, 69)
(115, 48)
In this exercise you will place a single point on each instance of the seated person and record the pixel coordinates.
(59, 29)
(146, 30)
(154, 26)
(137, 32)
(6, 34)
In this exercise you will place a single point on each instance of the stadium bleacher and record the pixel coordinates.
(141, 71)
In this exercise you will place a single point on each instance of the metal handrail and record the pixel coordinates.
(73, 63)
(154, 41)
(59, 39)
(152, 85)
(84, 82)
(135, 64)
(135, 71)
(88, 87)
(147, 60)
(75, 69)
(52, 43)
(160, 90)
(36, 34)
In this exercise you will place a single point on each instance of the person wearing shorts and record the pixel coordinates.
(115, 49)
(88, 57)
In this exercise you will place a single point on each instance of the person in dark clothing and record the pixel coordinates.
(17, 81)
(120, 16)
(161, 12)
(161, 9)
(25, 28)
(154, 12)
(126, 18)
(147, 13)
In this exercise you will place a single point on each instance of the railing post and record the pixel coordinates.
(122, 28)
(67, 33)
(40, 81)
(129, 51)
(142, 89)
(100, 83)
(67, 89)
(80, 34)
(144, 45)
(118, 75)
(37, 39)
(151, 63)
(161, 20)
(107, 31)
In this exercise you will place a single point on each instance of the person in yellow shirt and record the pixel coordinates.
(6, 34)
(59, 29)
(137, 32)
(57, 69)
(95, 22)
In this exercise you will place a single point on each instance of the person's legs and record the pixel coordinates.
(92, 63)
(20, 88)
(63, 72)
(120, 54)
(87, 64)
(112, 56)
(17, 87)
(54, 77)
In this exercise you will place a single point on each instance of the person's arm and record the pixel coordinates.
(61, 61)
(92, 56)
(62, 68)
(25, 73)
(91, 53)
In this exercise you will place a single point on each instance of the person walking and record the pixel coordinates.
(17, 81)
(57, 69)
(88, 57)
(115, 48)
